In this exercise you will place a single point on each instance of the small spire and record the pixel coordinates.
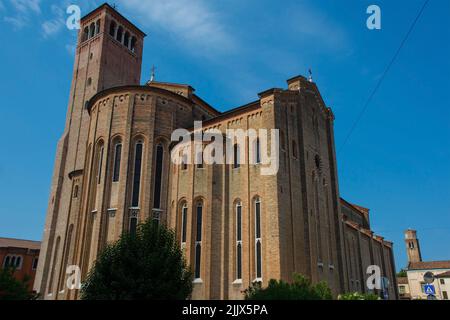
(310, 78)
(152, 78)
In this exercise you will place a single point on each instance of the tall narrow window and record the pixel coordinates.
(112, 29)
(258, 240)
(100, 164)
(85, 34)
(137, 174)
(92, 30)
(119, 34)
(7, 262)
(75, 192)
(133, 223)
(117, 159)
(236, 156)
(184, 210)
(126, 39)
(238, 241)
(158, 177)
(97, 27)
(257, 151)
(133, 44)
(198, 240)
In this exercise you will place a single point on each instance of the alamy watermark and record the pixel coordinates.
(212, 146)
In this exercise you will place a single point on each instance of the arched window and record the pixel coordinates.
(236, 156)
(119, 34)
(238, 241)
(18, 262)
(126, 39)
(75, 191)
(184, 213)
(112, 28)
(85, 34)
(158, 176)
(257, 151)
(138, 148)
(92, 30)
(100, 163)
(7, 262)
(117, 159)
(294, 149)
(133, 44)
(258, 239)
(97, 27)
(198, 239)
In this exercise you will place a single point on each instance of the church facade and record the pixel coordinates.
(235, 225)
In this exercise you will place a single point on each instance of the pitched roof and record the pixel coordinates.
(402, 280)
(424, 265)
(444, 275)
(19, 243)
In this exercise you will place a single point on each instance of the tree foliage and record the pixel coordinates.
(13, 289)
(402, 274)
(148, 265)
(300, 289)
(358, 296)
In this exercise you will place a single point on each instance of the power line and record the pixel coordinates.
(394, 58)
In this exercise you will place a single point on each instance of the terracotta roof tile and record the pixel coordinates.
(19, 243)
(444, 275)
(402, 280)
(429, 265)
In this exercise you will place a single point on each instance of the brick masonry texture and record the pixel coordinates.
(305, 226)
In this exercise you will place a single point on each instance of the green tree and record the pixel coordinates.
(358, 296)
(402, 274)
(13, 289)
(148, 265)
(300, 289)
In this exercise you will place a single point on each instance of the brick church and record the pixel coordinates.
(113, 170)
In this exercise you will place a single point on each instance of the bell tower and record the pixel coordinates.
(412, 246)
(108, 54)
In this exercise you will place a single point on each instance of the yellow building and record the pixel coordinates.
(414, 287)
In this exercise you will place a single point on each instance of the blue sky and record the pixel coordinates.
(395, 162)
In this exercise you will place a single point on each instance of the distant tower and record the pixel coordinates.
(412, 246)
(108, 54)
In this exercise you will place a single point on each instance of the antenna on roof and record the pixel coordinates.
(114, 6)
(310, 78)
(152, 78)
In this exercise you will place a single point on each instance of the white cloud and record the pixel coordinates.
(16, 22)
(26, 6)
(23, 10)
(54, 25)
(191, 21)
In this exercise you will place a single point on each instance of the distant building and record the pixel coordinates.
(22, 255)
(415, 286)
(403, 288)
